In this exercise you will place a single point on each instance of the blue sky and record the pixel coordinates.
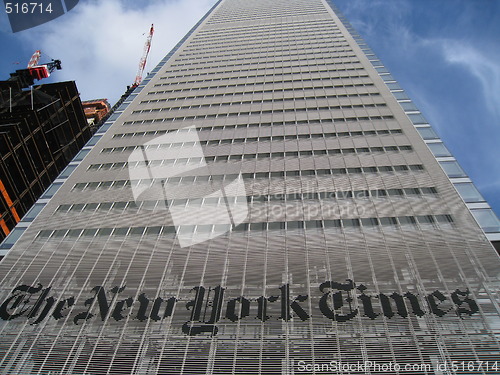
(445, 54)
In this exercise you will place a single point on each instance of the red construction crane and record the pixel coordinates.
(34, 71)
(142, 63)
(35, 58)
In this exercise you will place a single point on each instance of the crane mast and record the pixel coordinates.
(142, 62)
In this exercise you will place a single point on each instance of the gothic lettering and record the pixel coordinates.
(286, 305)
(262, 307)
(337, 300)
(21, 293)
(434, 306)
(196, 305)
(473, 307)
(335, 303)
(231, 309)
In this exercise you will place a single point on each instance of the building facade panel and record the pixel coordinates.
(261, 205)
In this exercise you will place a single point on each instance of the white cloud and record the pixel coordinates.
(100, 43)
(480, 66)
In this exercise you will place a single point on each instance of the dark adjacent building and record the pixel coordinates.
(268, 201)
(41, 130)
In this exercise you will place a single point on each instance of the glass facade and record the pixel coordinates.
(262, 204)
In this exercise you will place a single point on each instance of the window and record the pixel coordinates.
(417, 118)
(354, 170)
(387, 221)
(369, 222)
(104, 232)
(90, 232)
(258, 226)
(427, 132)
(105, 206)
(137, 231)
(385, 168)
(416, 167)
(407, 220)
(468, 192)
(351, 223)
(49, 193)
(120, 231)
(425, 219)
(400, 168)
(395, 192)
(313, 224)
(81, 155)
(34, 211)
(332, 223)
(408, 106)
(411, 191)
(438, 149)
(429, 190)
(487, 220)
(444, 219)
(291, 225)
(378, 193)
(11, 239)
(344, 194)
(276, 225)
(452, 169)
(243, 227)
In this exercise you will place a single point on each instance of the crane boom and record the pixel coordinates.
(26, 77)
(34, 59)
(142, 62)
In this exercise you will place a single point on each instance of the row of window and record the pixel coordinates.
(247, 30)
(246, 15)
(278, 31)
(120, 184)
(229, 141)
(311, 33)
(273, 124)
(255, 43)
(247, 71)
(266, 112)
(284, 63)
(239, 157)
(307, 33)
(252, 85)
(243, 140)
(274, 100)
(283, 46)
(229, 13)
(275, 77)
(268, 55)
(187, 230)
(249, 102)
(221, 201)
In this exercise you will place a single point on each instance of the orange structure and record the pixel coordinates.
(95, 110)
(11, 207)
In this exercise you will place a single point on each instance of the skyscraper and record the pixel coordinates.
(263, 203)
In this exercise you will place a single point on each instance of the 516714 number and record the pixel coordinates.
(26, 8)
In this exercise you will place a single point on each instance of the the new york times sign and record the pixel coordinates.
(208, 305)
